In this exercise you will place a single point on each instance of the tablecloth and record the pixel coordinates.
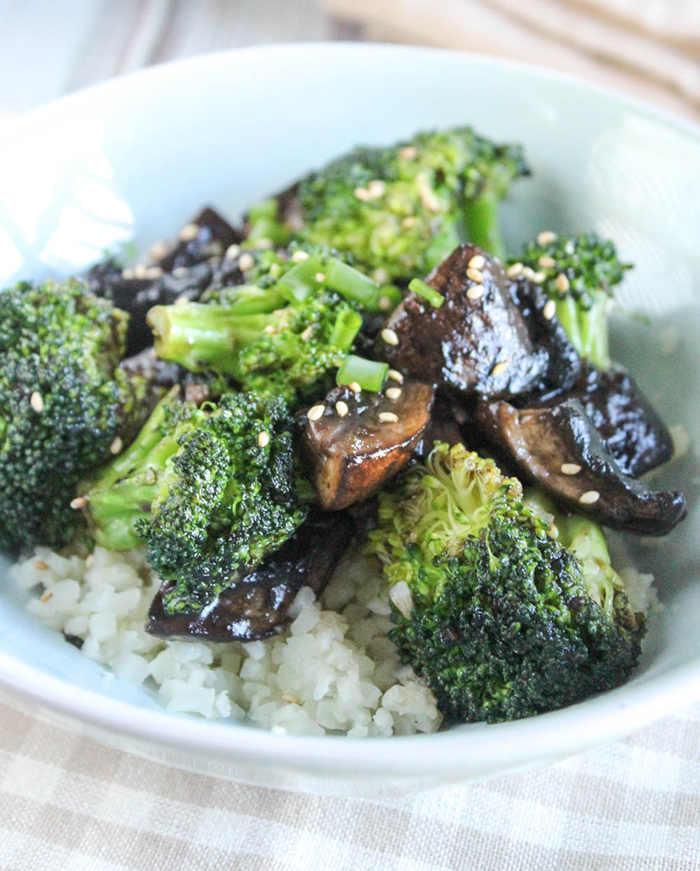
(69, 803)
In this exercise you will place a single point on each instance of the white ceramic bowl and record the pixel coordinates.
(135, 157)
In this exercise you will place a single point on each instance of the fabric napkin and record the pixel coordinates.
(68, 803)
(649, 48)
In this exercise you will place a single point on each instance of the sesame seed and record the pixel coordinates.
(316, 412)
(477, 262)
(562, 283)
(570, 468)
(589, 497)
(380, 276)
(545, 237)
(36, 401)
(127, 274)
(308, 332)
(47, 597)
(515, 270)
(384, 303)
(388, 417)
(181, 300)
(40, 565)
(475, 292)
(475, 275)
(276, 270)
(116, 446)
(408, 153)
(553, 530)
(180, 272)
(363, 194)
(538, 277)
(299, 256)
(188, 232)
(232, 251)
(409, 222)
(390, 337)
(393, 392)
(78, 502)
(154, 272)
(528, 272)
(247, 261)
(355, 387)
(140, 271)
(158, 250)
(264, 243)
(320, 277)
(498, 369)
(549, 310)
(90, 560)
(547, 262)
(270, 329)
(376, 188)
(263, 439)
(291, 698)
(395, 375)
(342, 408)
(460, 415)
(430, 201)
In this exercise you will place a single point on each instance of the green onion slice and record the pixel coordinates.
(369, 374)
(426, 291)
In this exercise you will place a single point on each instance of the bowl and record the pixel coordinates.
(133, 158)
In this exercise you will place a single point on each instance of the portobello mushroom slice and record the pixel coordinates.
(559, 449)
(259, 602)
(631, 428)
(355, 442)
(482, 339)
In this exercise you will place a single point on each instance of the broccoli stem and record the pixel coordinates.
(206, 336)
(587, 328)
(481, 222)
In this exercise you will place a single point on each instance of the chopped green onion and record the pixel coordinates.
(350, 283)
(300, 280)
(248, 299)
(426, 291)
(264, 224)
(346, 327)
(369, 374)
(388, 297)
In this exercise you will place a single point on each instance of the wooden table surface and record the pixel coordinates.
(50, 47)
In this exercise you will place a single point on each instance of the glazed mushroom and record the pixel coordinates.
(259, 603)
(356, 441)
(559, 449)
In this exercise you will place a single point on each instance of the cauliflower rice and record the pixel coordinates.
(334, 669)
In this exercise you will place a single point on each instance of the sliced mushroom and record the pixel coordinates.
(558, 448)
(632, 430)
(477, 341)
(355, 442)
(208, 235)
(259, 602)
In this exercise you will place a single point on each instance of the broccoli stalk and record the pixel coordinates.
(501, 620)
(579, 274)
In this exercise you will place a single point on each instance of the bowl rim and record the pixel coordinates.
(552, 735)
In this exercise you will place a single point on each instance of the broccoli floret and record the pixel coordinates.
(579, 274)
(64, 402)
(264, 344)
(499, 618)
(401, 210)
(212, 490)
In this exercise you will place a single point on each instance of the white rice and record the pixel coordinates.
(333, 670)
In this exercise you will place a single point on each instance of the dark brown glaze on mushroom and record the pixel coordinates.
(351, 455)
(631, 428)
(558, 448)
(214, 235)
(259, 603)
(479, 341)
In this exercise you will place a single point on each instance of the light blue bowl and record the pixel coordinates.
(135, 157)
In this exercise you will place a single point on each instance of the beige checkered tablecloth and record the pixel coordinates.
(68, 803)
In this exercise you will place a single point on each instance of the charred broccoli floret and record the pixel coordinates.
(284, 339)
(212, 490)
(401, 210)
(501, 620)
(64, 402)
(579, 274)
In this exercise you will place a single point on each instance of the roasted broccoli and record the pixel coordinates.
(64, 404)
(284, 339)
(212, 490)
(579, 274)
(501, 620)
(399, 211)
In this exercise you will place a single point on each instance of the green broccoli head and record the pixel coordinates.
(284, 339)
(579, 274)
(496, 616)
(212, 490)
(64, 402)
(401, 210)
